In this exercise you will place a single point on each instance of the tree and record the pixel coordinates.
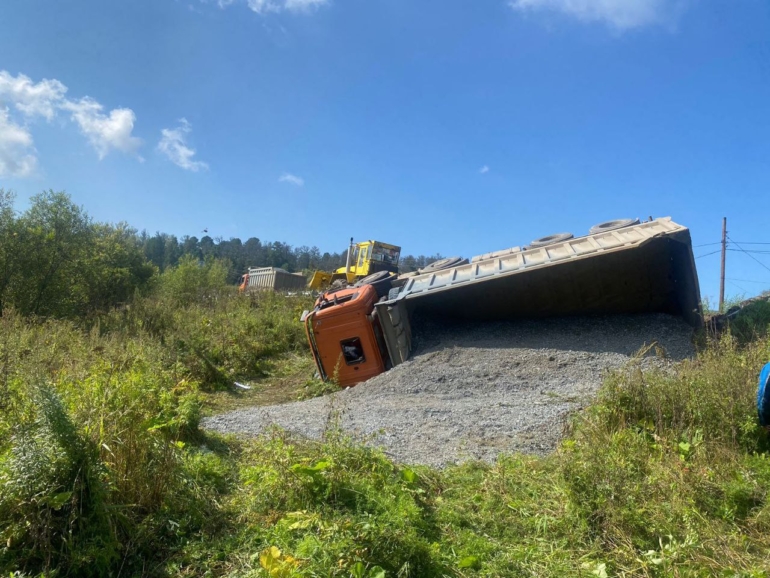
(55, 237)
(171, 251)
(155, 250)
(190, 246)
(207, 247)
(115, 268)
(9, 241)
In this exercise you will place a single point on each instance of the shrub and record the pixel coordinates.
(713, 396)
(194, 282)
(752, 322)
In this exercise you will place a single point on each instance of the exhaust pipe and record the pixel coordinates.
(350, 256)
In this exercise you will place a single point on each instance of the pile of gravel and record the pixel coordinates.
(473, 391)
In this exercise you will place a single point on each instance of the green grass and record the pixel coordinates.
(103, 470)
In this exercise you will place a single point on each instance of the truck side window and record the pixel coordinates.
(362, 257)
(353, 351)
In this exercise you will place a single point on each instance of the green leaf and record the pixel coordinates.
(377, 572)
(469, 562)
(358, 570)
(58, 500)
(311, 470)
(409, 476)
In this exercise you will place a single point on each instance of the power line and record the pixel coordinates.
(736, 285)
(752, 256)
(707, 254)
(747, 250)
(749, 281)
(751, 251)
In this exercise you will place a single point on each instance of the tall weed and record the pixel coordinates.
(54, 501)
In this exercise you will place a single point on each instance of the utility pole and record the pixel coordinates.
(722, 276)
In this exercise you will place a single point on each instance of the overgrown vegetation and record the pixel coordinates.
(104, 468)
(752, 321)
(105, 472)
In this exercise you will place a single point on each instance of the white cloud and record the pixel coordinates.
(17, 153)
(102, 131)
(292, 180)
(268, 6)
(173, 144)
(41, 99)
(300, 5)
(263, 6)
(484, 170)
(619, 14)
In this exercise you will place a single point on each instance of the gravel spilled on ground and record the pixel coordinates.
(472, 391)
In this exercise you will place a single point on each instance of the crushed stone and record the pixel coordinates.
(472, 391)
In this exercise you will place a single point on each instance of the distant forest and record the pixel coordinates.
(56, 260)
(164, 250)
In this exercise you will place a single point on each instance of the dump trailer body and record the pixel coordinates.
(273, 278)
(643, 268)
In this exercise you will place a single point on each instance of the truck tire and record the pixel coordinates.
(381, 282)
(442, 264)
(550, 240)
(612, 225)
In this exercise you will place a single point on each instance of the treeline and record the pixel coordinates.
(55, 261)
(164, 250)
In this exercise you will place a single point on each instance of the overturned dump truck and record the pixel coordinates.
(622, 267)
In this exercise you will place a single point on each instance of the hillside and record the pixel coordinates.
(105, 470)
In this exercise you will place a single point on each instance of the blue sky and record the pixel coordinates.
(449, 126)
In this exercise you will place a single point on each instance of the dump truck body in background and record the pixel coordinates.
(644, 268)
(272, 278)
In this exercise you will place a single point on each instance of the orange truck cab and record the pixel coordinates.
(345, 335)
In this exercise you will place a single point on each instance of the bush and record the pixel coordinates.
(712, 397)
(194, 282)
(752, 322)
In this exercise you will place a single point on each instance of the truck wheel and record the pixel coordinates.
(612, 225)
(550, 240)
(381, 282)
(442, 264)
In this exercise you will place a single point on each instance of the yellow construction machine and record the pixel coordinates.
(364, 259)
